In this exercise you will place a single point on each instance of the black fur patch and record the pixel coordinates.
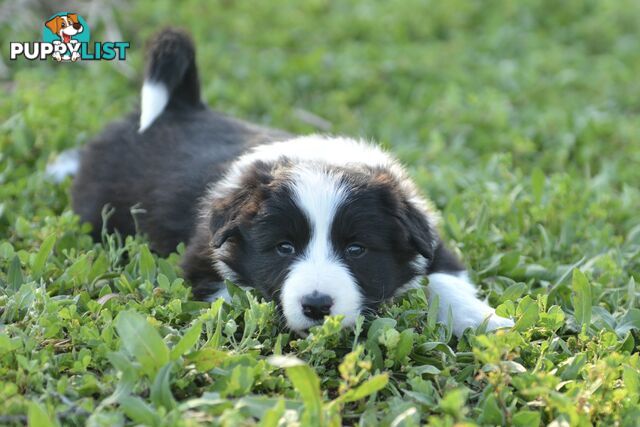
(374, 215)
(267, 218)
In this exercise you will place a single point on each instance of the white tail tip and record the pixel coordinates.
(154, 98)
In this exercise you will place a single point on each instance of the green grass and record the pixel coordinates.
(521, 120)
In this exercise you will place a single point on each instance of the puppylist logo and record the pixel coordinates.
(65, 37)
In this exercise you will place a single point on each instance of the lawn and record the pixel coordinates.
(520, 120)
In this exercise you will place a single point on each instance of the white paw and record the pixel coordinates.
(458, 296)
(66, 164)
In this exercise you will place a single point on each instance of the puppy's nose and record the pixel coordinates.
(77, 26)
(316, 305)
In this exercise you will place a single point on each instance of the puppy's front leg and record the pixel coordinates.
(458, 294)
(197, 264)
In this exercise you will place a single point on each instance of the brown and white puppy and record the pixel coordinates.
(65, 27)
(322, 225)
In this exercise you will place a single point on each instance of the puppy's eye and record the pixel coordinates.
(285, 249)
(355, 250)
(63, 25)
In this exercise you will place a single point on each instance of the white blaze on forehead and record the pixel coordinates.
(318, 194)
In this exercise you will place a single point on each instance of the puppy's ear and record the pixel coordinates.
(54, 24)
(73, 17)
(445, 260)
(229, 213)
(412, 212)
(422, 235)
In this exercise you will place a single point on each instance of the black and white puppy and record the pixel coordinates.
(323, 225)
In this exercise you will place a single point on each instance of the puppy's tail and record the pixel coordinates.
(171, 78)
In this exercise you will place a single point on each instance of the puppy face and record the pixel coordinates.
(318, 238)
(65, 26)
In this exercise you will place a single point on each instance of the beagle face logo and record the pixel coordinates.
(66, 38)
(66, 31)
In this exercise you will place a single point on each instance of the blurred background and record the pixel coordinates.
(518, 118)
